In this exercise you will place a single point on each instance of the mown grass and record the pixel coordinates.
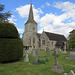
(23, 68)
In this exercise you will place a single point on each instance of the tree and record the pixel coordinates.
(71, 41)
(4, 16)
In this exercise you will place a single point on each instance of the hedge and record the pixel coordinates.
(10, 49)
(8, 30)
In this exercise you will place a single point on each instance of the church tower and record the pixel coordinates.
(30, 28)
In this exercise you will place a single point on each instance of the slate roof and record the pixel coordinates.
(38, 34)
(56, 37)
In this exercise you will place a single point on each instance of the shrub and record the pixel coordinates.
(43, 61)
(10, 49)
(8, 30)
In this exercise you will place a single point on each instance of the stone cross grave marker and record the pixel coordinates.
(56, 67)
(56, 57)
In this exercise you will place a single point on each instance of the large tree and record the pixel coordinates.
(4, 16)
(71, 40)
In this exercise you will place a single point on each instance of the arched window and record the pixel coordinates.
(43, 41)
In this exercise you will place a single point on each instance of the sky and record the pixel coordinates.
(55, 16)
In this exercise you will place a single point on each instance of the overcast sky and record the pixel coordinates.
(56, 16)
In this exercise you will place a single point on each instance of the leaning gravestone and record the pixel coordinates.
(56, 67)
(70, 73)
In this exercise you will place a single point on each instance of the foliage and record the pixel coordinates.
(4, 16)
(8, 30)
(71, 41)
(43, 60)
(11, 47)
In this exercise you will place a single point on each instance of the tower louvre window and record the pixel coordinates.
(33, 29)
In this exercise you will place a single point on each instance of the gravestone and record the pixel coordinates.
(70, 73)
(36, 58)
(33, 51)
(56, 67)
(26, 58)
(72, 55)
(27, 51)
(47, 50)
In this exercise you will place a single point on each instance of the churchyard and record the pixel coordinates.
(28, 68)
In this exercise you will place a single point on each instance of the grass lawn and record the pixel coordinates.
(23, 68)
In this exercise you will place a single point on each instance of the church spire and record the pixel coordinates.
(31, 13)
(31, 17)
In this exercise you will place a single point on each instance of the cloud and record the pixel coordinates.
(47, 4)
(67, 7)
(20, 30)
(11, 20)
(61, 24)
(24, 12)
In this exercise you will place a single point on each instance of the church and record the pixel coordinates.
(42, 41)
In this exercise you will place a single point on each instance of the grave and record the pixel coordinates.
(56, 67)
(27, 50)
(70, 73)
(72, 55)
(36, 58)
(47, 50)
(33, 51)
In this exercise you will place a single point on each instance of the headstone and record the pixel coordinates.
(56, 67)
(70, 73)
(26, 51)
(64, 51)
(65, 74)
(26, 58)
(33, 51)
(47, 50)
(72, 55)
(36, 59)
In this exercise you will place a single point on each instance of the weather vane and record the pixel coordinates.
(31, 1)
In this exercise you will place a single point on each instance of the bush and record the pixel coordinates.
(43, 61)
(8, 30)
(10, 49)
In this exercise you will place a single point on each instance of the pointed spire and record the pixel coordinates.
(31, 13)
(31, 17)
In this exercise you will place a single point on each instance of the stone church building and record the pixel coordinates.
(41, 41)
